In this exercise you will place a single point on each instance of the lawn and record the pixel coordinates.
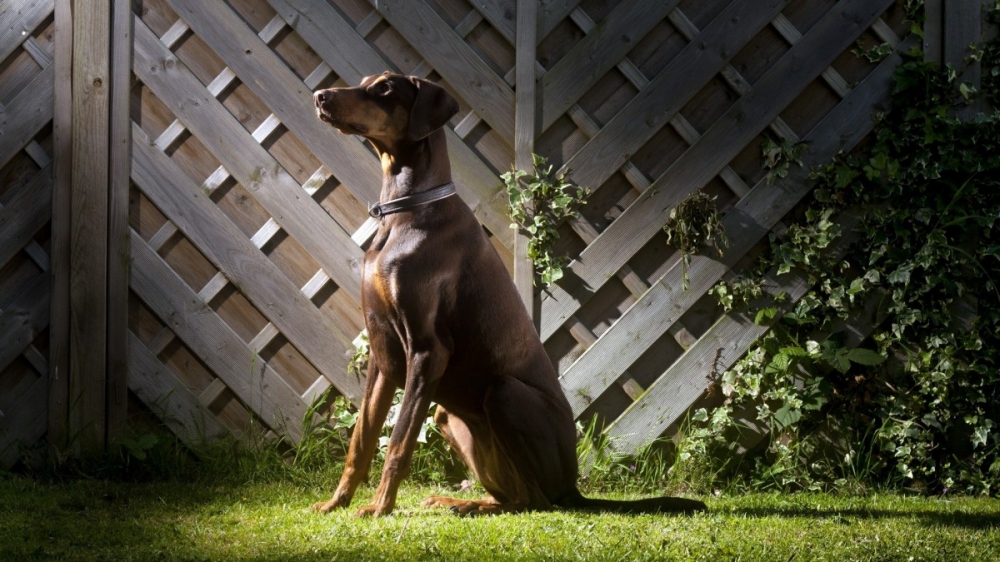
(99, 520)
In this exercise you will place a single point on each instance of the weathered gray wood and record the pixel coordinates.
(472, 78)
(62, 161)
(333, 38)
(24, 320)
(670, 90)
(791, 34)
(119, 147)
(598, 52)
(525, 131)
(720, 143)
(746, 223)
(551, 13)
(352, 59)
(248, 162)
(502, 16)
(24, 424)
(169, 399)
(18, 20)
(25, 115)
(89, 249)
(215, 343)
(25, 214)
(283, 92)
(259, 279)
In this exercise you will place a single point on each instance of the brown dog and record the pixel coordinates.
(446, 324)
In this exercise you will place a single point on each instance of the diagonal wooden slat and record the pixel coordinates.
(26, 114)
(670, 90)
(24, 320)
(319, 23)
(746, 223)
(214, 342)
(24, 215)
(227, 248)
(169, 399)
(223, 80)
(27, 426)
(551, 13)
(686, 380)
(283, 92)
(502, 15)
(277, 191)
(729, 74)
(717, 146)
(598, 52)
(331, 37)
(472, 78)
(18, 20)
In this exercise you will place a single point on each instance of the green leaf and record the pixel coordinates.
(786, 416)
(863, 356)
(765, 316)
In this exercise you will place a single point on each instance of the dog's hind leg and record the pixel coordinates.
(479, 455)
(523, 452)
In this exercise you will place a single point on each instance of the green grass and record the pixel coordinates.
(85, 519)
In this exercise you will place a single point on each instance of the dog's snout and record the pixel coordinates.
(320, 97)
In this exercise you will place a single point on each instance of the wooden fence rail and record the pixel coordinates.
(174, 218)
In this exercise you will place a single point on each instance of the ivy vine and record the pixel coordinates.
(916, 403)
(539, 203)
(358, 363)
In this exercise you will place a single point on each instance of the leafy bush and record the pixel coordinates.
(916, 403)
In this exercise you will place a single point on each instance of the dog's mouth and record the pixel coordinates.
(339, 124)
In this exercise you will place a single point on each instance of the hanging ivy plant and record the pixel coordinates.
(694, 224)
(539, 202)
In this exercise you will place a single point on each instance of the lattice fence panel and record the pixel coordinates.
(247, 217)
(26, 90)
(648, 102)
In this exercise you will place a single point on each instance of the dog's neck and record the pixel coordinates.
(413, 167)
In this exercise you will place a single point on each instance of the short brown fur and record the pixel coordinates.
(445, 323)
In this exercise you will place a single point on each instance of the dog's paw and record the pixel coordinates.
(323, 507)
(371, 511)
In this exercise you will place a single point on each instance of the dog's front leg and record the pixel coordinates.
(364, 439)
(424, 371)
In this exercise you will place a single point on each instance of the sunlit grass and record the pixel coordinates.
(98, 520)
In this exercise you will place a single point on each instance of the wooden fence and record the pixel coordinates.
(174, 219)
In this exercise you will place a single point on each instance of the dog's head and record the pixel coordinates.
(387, 108)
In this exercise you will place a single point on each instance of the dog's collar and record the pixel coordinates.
(379, 210)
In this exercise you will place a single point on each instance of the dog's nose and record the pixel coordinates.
(321, 96)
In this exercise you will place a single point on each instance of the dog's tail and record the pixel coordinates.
(664, 504)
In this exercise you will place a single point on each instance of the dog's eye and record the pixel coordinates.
(382, 88)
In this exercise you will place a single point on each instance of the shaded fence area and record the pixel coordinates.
(179, 234)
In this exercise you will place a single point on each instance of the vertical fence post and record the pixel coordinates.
(118, 238)
(963, 26)
(88, 275)
(933, 30)
(525, 128)
(62, 149)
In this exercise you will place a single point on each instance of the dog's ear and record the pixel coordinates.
(432, 108)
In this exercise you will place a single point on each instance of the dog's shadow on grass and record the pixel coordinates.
(964, 519)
